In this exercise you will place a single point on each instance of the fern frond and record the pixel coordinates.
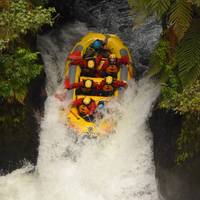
(154, 70)
(144, 8)
(188, 54)
(140, 11)
(196, 2)
(138, 5)
(4, 4)
(181, 16)
(160, 7)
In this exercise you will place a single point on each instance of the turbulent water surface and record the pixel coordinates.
(118, 167)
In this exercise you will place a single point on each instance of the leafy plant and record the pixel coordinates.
(179, 12)
(188, 142)
(188, 54)
(159, 61)
(18, 64)
(180, 16)
(19, 18)
(176, 64)
(185, 102)
(17, 70)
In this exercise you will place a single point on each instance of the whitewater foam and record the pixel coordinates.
(116, 167)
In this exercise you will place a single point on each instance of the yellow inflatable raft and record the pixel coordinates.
(74, 121)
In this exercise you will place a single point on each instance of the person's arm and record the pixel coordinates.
(80, 62)
(120, 84)
(92, 108)
(98, 59)
(95, 85)
(77, 102)
(123, 60)
(76, 85)
(100, 85)
(73, 85)
(104, 66)
(76, 55)
(66, 83)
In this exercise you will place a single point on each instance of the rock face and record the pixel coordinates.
(19, 138)
(19, 132)
(175, 183)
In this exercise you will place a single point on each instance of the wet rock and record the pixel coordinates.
(19, 136)
(174, 182)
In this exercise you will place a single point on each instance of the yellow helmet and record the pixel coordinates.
(88, 83)
(109, 79)
(112, 56)
(90, 64)
(87, 100)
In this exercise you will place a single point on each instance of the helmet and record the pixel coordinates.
(88, 83)
(97, 44)
(109, 79)
(90, 64)
(112, 56)
(87, 100)
(101, 104)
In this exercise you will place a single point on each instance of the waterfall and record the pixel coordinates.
(117, 167)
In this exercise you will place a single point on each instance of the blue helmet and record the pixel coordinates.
(97, 44)
(101, 105)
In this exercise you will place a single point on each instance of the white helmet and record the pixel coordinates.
(109, 79)
(87, 100)
(88, 83)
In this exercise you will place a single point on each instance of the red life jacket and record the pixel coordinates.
(86, 109)
(112, 69)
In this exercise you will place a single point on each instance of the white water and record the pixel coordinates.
(119, 167)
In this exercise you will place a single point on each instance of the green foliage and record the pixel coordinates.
(18, 64)
(160, 68)
(179, 12)
(180, 16)
(176, 64)
(17, 70)
(12, 119)
(196, 2)
(188, 55)
(159, 7)
(144, 8)
(185, 102)
(149, 7)
(188, 143)
(19, 18)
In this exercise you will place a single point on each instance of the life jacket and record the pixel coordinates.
(112, 69)
(108, 88)
(84, 109)
(85, 90)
